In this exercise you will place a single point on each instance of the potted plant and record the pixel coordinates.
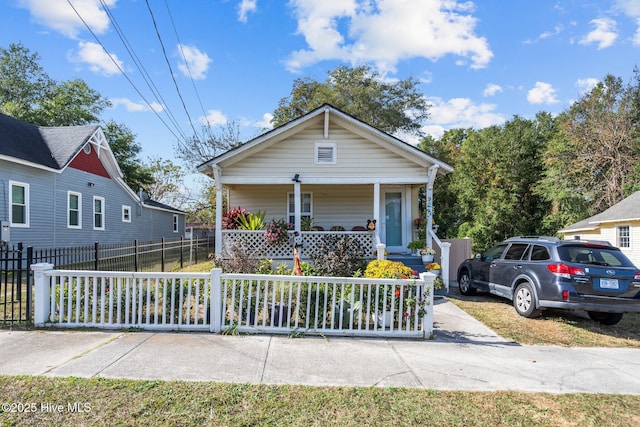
(434, 268)
(427, 254)
(414, 246)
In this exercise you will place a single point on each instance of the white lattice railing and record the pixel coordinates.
(247, 302)
(310, 241)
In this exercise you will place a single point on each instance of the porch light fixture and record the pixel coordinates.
(296, 178)
(90, 184)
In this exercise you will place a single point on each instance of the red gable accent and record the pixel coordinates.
(89, 163)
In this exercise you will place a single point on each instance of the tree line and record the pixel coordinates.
(528, 176)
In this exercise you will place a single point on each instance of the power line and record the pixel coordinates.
(120, 69)
(140, 66)
(164, 53)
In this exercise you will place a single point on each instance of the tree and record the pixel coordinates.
(591, 163)
(495, 181)
(71, 103)
(362, 92)
(28, 93)
(23, 82)
(167, 182)
(198, 150)
(126, 150)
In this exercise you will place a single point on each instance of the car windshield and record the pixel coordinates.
(594, 255)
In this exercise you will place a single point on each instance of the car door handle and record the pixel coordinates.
(517, 267)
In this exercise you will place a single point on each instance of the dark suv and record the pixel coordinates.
(546, 272)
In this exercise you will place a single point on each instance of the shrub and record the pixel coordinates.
(386, 269)
(276, 233)
(238, 258)
(230, 218)
(338, 256)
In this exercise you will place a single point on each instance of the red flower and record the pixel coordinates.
(397, 292)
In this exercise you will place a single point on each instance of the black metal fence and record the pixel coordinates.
(16, 278)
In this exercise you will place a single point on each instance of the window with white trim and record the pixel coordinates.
(306, 207)
(19, 202)
(126, 213)
(176, 222)
(74, 209)
(325, 153)
(624, 237)
(98, 213)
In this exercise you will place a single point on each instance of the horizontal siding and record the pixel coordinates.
(347, 206)
(48, 210)
(356, 157)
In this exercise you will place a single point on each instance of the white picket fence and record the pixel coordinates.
(245, 303)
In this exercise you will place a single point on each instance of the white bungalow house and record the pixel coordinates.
(334, 170)
(619, 225)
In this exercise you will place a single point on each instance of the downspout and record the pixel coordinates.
(217, 176)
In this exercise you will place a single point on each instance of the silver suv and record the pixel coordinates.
(546, 272)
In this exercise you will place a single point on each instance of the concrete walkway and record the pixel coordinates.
(464, 355)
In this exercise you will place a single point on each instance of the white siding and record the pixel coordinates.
(296, 155)
(347, 206)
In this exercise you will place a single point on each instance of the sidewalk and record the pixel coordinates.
(464, 355)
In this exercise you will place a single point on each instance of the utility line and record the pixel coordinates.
(140, 66)
(120, 69)
(164, 53)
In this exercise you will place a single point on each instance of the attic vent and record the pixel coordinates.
(87, 148)
(325, 153)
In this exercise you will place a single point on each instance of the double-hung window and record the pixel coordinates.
(74, 210)
(126, 213)
(19, 202)
(624, 237)
(306, 207)
(98, 213)
(175, 223)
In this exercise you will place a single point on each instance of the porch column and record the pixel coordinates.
(433, 171)
(297, 206)
(376, 216)
(217, 176)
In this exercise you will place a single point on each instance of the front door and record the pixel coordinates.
(393, 221)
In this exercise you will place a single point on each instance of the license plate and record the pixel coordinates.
(609, 283)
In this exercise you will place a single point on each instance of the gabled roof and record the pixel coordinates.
(410, 150)
(626, 210)
(49, 147)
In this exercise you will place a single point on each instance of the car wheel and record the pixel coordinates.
(464, 284)
(605, 318)
(524, 301)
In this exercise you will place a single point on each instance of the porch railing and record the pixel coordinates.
(245, 303)
(310, 241)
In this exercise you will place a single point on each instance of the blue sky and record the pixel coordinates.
(479, 63)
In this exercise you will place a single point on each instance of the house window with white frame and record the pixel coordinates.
(74, 210)
(126, 213)
(325, 153)
(175, 223)
(624, 237)
(306, 207)
(19, 202)
(98, 213)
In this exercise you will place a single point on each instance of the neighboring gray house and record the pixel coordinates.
(62, 187)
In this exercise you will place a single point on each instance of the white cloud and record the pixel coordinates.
(99, 61)
(60, 16)
(631, 8)
(459, 113)
(193, 63)
(246, 7)
(542, 93)
(604, 34)
(214, 118)
(585, 85)
(386, 32)
(136, 107)
(491, 89)
(265, 123)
